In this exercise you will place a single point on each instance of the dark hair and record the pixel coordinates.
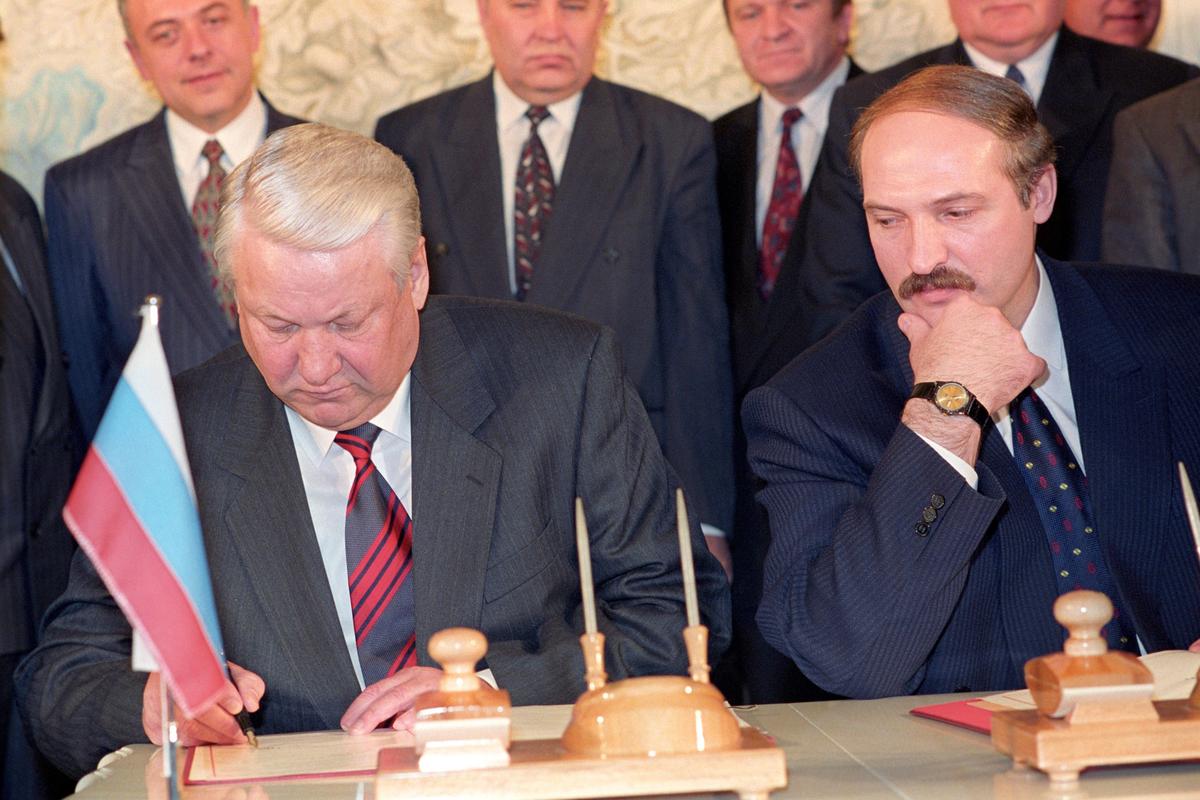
(995, 104)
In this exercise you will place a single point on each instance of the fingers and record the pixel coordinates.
(152, 709)
(215, 725)
(404, 722)
(249, 685)
(1195, 646)
(387, 698)
(913, 327)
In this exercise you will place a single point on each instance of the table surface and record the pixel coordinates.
(863, 749)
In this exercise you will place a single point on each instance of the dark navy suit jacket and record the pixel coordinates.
(1088, 82)
(118, 229)
(868, 608)
(633, 243)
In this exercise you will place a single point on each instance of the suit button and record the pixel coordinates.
(936, 500)
(612, 255)
(440, 249)
(921, 529)
(929, 515)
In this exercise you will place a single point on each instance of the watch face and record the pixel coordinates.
(951, 397)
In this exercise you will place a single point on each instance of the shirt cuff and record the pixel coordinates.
(711, 530)
(961, 467)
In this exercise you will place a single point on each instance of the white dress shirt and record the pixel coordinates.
(1043, 337)
(1034, 67)
(239, 139)
(807, 135)
(512, 130)
(327, 471)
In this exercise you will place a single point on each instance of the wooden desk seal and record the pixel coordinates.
(1094, 707)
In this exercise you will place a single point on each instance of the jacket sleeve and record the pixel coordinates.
(694, 332)
(855, 591)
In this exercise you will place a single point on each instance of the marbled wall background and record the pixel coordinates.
(66, 82)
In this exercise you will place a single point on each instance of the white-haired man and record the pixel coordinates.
(373, 466)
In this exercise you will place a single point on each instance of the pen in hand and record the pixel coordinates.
(243, 721)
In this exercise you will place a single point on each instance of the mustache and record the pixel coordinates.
(940, 277)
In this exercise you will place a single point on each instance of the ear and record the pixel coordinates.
(843, 22)
(255, 31)
(136, 55)
(418, 276)
(1041, 199)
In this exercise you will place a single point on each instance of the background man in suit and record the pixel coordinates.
(1128, 22)
(38, 453)
(604, 207)
(134, 215)
(1154, 188)
(1078, 85)
(925, 465)
(766, 153)
(486, 431)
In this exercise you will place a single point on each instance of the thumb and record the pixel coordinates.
(913, 327)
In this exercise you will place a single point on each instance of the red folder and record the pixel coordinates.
(975, 715)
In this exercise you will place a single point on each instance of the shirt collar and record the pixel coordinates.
(814, 105)
(1034, 67)
(238, 139)
(510, 109)
(1041, 331)
(395, 419)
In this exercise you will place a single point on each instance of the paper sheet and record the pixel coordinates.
(287, 756)
(334, 754)
(1174, 674)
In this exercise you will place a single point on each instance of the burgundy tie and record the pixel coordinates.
(781, 211)
(533, 203)
(204, 217)
(378, 563)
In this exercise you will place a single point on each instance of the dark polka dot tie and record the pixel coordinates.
(780, 220)
(379, 564)
(533, 202)
(1059, 489)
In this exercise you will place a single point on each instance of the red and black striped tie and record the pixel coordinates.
(379, 564)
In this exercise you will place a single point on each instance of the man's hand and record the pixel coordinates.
(214, 726)
(719, 547)
(977, 346)
(1195, 646)
(388, 698)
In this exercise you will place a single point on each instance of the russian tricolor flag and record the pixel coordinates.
(133, 511)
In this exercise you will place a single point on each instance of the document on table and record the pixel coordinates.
(334, 754)
(1174, 674)
(288, 756)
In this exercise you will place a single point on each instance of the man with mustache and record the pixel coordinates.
(134, 215)
(997, 429)
(1078, 85)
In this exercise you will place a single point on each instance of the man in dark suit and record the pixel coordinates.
(487, 431)
(1153, 196)
(1078, 85)
(603, 208)
(766, 153)
(133, 215)
(38, 453)
(998, 429)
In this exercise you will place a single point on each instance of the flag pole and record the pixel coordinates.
(170, 740)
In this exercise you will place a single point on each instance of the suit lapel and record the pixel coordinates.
(272, 534)
(1072, 104)
(1121, 406)
(601, 154)
(455, 481)
(163, 227)
(467, 164)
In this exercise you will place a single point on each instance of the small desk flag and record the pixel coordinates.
(133, 511)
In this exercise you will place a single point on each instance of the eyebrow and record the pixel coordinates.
(945, 200)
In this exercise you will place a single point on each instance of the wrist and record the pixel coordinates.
(958, 434)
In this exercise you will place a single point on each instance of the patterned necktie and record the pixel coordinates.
(1060, 491)
(533, 203)
(781, 211)
(204, 216)
(378, 563)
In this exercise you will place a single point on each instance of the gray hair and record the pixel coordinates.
(316, 188)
